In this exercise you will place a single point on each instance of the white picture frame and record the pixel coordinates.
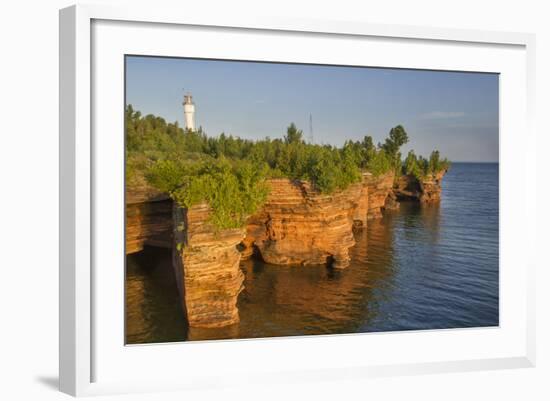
(84, 348)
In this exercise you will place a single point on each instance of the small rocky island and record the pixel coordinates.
(217, 201)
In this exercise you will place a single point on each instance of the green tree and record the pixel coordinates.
(378, 162)
(412, 166)
(368, 144)
(293, 134)
(396, 138)
(434, 162)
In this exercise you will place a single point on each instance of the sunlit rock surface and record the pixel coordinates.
(431, 187)
(379, 189)
(361, 211)
(206, 263)
(298, 225)
(426, 190)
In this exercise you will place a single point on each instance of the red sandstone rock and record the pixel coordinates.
(206, 263)
(148, 219)
(391, 202)
(431, 187)
(379, 189)
(360, 214)
(298, 225)
(426, 190)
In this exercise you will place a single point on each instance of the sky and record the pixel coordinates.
(454, 112)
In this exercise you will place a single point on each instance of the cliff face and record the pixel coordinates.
(360, 214)
(206, 263)
(378, 190)
(426, 190)
(301, 226)
(431, 187)
(148, 219)
(297, 225)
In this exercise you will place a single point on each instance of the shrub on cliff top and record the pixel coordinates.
(421, 167)
(326, 167)
(413, 166)
(330, 169)
(367, 157)
(378, 163)
(233, 189)
(436, 164)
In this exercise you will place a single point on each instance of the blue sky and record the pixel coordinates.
(454, 112)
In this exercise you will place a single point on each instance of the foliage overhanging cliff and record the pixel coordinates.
(230, 173)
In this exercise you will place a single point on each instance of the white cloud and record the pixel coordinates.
(438, 115)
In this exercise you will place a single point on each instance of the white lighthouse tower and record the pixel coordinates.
(189, 112)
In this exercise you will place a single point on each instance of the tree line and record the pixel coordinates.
(230, 173)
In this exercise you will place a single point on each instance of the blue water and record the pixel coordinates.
(421, 267)
(444, 260)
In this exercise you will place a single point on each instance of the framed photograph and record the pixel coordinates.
(280, 200)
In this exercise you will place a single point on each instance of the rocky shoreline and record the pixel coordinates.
(296, 226)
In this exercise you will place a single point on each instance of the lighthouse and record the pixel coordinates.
(189, 112)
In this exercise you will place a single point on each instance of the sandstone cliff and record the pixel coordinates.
(431, 187)
(378, 190)
(360, 214)
(300, 226)
(206, 263)
(426, 189)
(148, 219)
(297, 225)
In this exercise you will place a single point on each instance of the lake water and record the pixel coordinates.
(421, 267)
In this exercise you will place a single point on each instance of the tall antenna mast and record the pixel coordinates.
(310, 128)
